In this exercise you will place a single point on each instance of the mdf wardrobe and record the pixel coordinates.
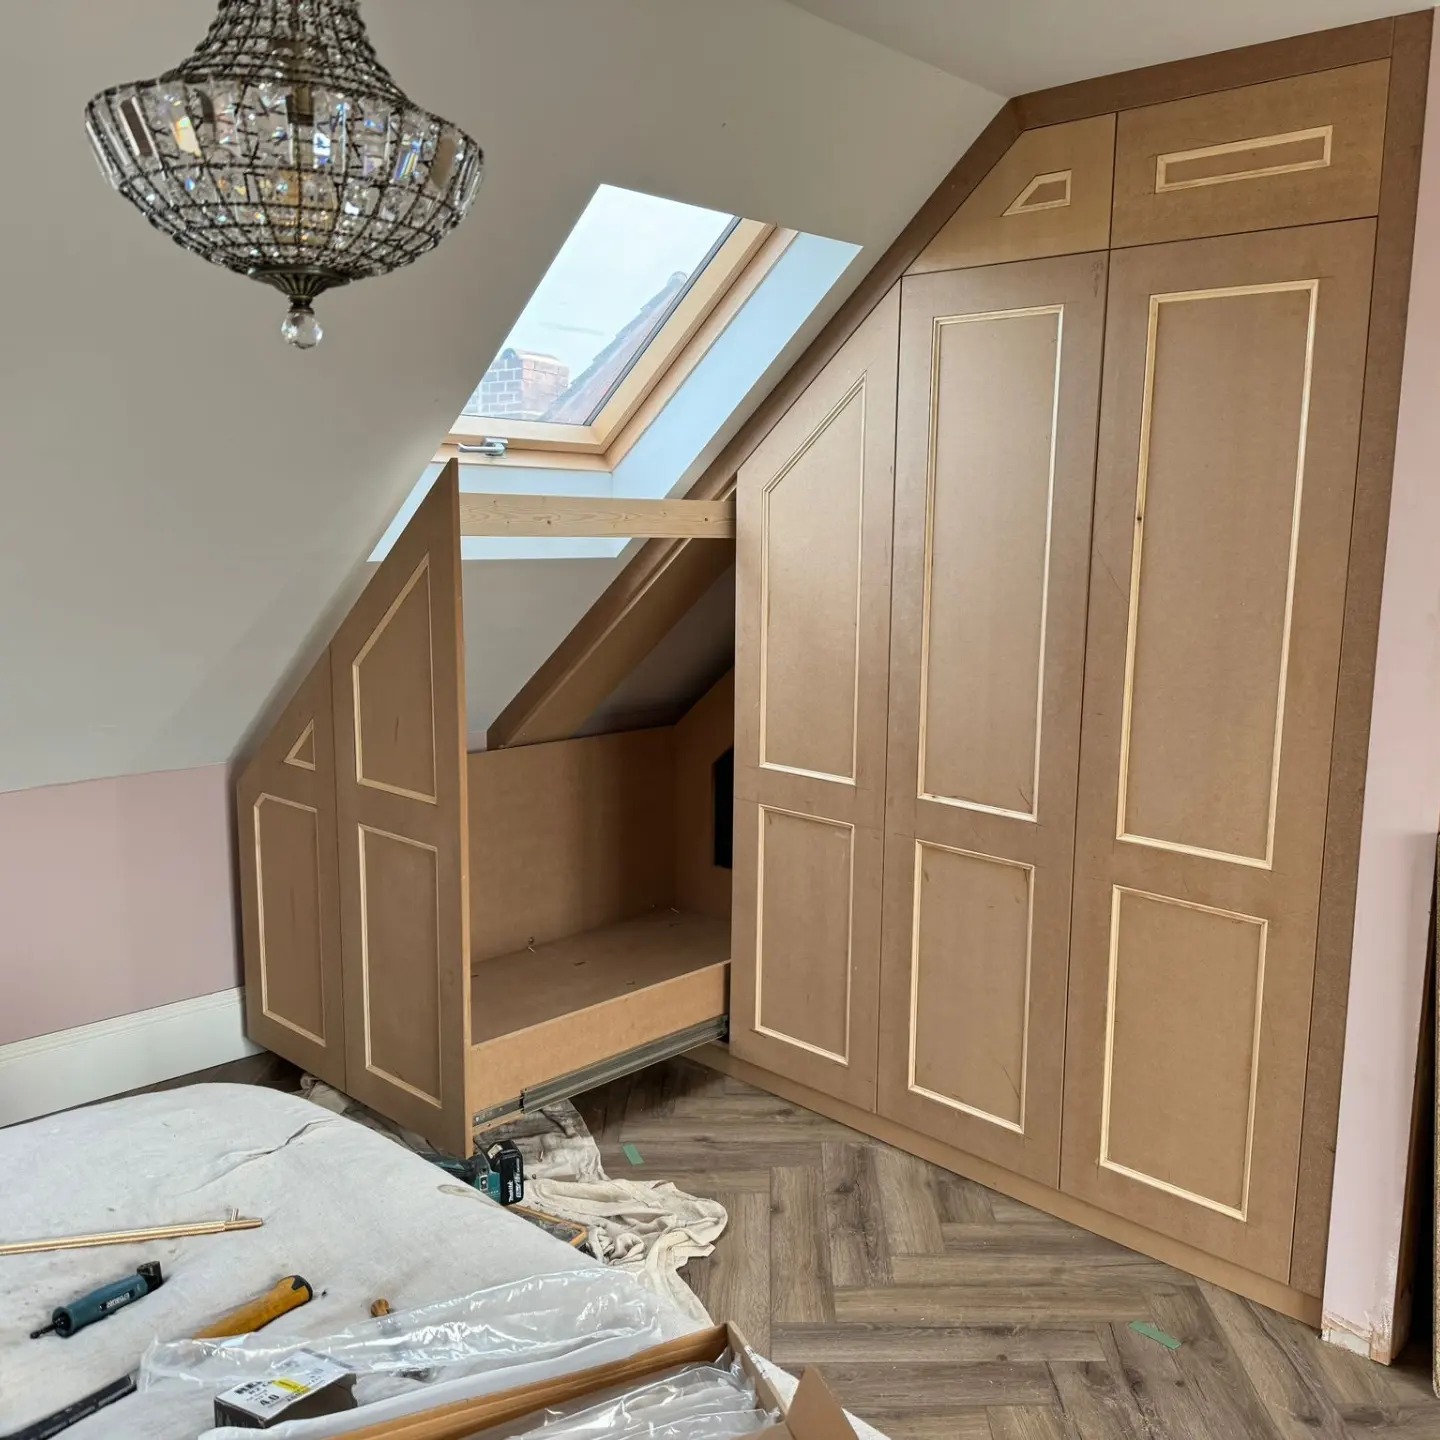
(1043, 583)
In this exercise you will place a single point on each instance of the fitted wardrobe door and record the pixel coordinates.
(398, 672)
(811, 662)
(290, 903)
(1225, 483)
(995, 473)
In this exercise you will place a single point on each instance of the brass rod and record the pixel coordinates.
(233, 1221)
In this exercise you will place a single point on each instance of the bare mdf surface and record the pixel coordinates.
(514, 992)
(1049, 194)
(938, 1309)
(569, 836)
(702, 736)
(289, 886)
(1291, 152)
(397, 673)
(579, 1001)
(1222, 518)
(595, 515)
(811, 663)
(995, 466)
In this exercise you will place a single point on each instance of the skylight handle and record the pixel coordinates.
(492, 448)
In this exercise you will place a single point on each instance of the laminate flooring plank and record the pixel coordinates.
(1098, 1403)
(935, 1424)
(966, 1305)
(1013, 1266)
(733, 1283)
(872, 1344)
(800, 1289)
(854, 1216)
(908, 1193)
(1290, 1390)
(919, 1387)
(1028, 1422)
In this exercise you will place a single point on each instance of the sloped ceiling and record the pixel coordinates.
(184, 497)
(1015, 46)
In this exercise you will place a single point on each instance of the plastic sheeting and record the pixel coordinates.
(477, 1344)
(696, 1402)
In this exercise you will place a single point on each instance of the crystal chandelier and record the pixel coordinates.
(283, 150)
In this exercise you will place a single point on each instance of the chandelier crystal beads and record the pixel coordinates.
(283, 150)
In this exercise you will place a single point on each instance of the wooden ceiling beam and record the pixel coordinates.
(569, 515)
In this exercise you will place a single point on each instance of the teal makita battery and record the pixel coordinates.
(498, 1171)
(98, 1304)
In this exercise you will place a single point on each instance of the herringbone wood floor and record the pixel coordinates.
(940, 1310)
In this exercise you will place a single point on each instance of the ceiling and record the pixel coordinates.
(186, 499)
(1014, 46)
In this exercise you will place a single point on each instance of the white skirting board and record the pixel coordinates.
(72, 1067)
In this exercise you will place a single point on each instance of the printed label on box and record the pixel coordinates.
(299, 1375)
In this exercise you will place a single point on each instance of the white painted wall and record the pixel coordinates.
(183, 495)
(1397, 850)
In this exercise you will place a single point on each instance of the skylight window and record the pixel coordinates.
(633, 283)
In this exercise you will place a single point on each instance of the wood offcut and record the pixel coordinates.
(572, 516)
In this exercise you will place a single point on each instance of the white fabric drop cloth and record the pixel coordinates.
(647, 1228)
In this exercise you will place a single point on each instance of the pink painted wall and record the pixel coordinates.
(1402, 811)
(115, 895)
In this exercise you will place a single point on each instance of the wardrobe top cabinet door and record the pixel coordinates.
(1289, 152)
(1048, 194)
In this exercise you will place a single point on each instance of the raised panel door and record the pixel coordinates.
(397, 665)
(1226, 477)
(995, 469)
(289, 888)
(811, 661)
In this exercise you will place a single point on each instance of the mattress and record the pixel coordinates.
(358, 1216)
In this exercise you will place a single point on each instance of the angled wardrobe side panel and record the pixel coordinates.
(289, 888)
(811, 665)
(397, 668)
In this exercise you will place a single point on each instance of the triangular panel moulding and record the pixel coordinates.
(302, 752)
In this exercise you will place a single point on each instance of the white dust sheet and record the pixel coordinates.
(358, 1216)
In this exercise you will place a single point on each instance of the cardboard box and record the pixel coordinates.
(814, 1413)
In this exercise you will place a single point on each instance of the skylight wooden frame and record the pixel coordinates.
(739, 264)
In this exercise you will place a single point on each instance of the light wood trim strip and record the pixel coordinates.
(1224, 70)
(595, 515)
(1389, 306)
(665, 577)
(1302, 1307)
(233, 1221)
(1285, 144)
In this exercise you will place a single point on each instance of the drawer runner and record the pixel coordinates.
(626, 1063)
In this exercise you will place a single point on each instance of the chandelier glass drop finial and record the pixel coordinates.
(283, 150)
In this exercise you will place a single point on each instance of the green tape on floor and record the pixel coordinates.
(633, 1155)
(1153, 1332)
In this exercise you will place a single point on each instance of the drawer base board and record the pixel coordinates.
(1260, 1288)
